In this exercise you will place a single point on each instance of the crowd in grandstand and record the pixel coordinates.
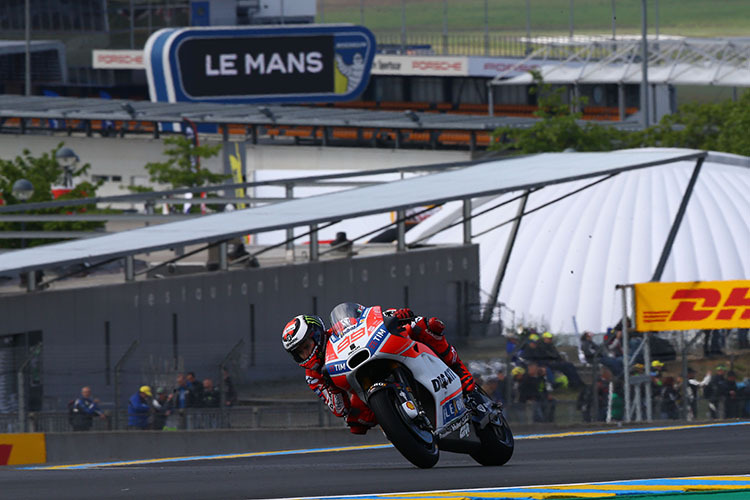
(538, 375)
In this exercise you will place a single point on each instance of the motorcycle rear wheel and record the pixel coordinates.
(497, 444)
(402, 432)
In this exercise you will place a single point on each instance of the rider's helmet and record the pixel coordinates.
(344, 316)
(304, 337)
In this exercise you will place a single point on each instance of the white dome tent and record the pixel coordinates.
(568, 256)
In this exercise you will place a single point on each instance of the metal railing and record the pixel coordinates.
(264, 415)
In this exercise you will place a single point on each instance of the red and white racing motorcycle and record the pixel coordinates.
(416, 398)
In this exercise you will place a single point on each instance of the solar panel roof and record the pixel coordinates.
(492, 177)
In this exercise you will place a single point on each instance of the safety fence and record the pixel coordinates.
(265, 415)
(304, 414)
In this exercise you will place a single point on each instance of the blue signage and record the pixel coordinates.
(317, 63)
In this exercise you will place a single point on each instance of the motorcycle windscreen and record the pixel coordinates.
(345, 316)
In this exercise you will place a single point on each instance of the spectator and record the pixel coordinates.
(552, 359)
(589, 348)
(83, 410)
(182, 396)
(195, 387)
(230, 394)
(211, 395)
(670, 398)
(139, 408)
(715, 391)
(732, 404)
(162, 408)
(585, 403)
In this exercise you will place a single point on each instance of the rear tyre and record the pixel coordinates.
(497, 444)
(416, 445)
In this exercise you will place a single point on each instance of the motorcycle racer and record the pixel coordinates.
(305, 338)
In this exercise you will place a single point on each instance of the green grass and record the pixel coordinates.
(713, 18)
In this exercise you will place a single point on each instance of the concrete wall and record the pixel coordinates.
(192, 322)
(78, 447)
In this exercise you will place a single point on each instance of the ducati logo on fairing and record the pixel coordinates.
(443, 380)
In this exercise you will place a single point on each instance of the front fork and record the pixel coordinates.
(408, 404)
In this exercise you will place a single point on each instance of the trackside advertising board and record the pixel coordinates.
(323, 63)
(692, 306)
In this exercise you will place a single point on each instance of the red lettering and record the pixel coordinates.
(686, 310)
(738, 297)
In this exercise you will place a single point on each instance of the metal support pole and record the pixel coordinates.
(621, 100)
(362, 12)
(129, 268)
(322, 11)
(21, 379)
(644, 66)
(486, 29)
(223, 261)
(625, 353)
(528, 27)
(490, 100)
(132, 24)
(656, 18)
(403, 26)
(504, 261)
(290, 231)
(685, 384)
(314, 245)
(445, 27)
(118, 365)
(401, 230)
(677, 221)
(647, 368)
(467, 221)
(30, 281)
(595, 390)
(27, 55)
(570, 20)
(638, 402)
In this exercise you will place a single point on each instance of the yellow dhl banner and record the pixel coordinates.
(22, 449)
(692, 306)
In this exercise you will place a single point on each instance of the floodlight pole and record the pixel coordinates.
(644, 66)
(28, 46)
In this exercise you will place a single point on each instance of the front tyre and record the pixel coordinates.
(416, 445)
(497, 443)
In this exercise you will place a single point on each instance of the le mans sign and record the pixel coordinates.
(311, 63)
(692, 306)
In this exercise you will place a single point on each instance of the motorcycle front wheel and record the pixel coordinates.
(497, 444)
(416, 445)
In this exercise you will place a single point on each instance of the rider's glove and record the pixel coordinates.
(338, 403)
(404, 314)
(435, 326)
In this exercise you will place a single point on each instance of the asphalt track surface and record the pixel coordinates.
(694, 451)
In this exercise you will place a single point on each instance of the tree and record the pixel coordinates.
(559, 127)
(43, 172)
(180, 169)
(718, 127)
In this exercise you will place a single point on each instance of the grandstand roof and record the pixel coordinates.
(75, 108)
(673, 62)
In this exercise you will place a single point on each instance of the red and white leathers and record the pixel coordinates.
(359, 417)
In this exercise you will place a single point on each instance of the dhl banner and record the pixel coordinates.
(692, 306)
(21, 449)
